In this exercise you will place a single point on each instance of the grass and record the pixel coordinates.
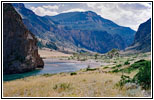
(62, 87)
(47, 75)
(81, 85)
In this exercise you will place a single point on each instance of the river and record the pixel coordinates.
(49, 67)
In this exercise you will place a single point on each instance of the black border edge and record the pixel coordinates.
(152, 48)
(79, 97)
(1, 51)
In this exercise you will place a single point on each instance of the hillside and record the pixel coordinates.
(142, 41)
(103, 35)
(89, 20)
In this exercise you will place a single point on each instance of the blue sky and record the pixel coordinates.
(125, 14)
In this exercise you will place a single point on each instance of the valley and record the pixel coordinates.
(74, 54)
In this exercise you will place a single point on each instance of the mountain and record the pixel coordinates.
(77, 30)
(91, 21)
(142, 41)
(20, 53)
(42, 28)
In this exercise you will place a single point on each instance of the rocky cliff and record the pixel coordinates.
(142, 41)
(20, 53)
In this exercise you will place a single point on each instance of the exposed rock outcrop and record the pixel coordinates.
(142, 41)
(20, 52)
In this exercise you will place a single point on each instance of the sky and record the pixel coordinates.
(124, 14)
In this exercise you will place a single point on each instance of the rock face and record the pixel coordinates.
(20, 53)
(89, 20)
(77, 30)
(142, 41)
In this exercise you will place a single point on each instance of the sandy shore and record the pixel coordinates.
(46, 53)
(55, 56)
(91, 63)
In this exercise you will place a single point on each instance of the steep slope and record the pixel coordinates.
(20, 53)
(142, 41)
(97, 41)
(42, 27)
(91, 21)
(90, 33)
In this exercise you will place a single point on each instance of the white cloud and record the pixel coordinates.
(41, 11)
(73, 10)
(125, 14)
(55, 7)
(92, 5)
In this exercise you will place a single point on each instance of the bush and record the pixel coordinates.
(115, 71)
(124, 79)
(91, 69)
(73, 73)
(127, 63)
(134, 66)
(139, 63)
(62, 86)
(143, 77)
(105, 67)
(118, 65)
(96, 56)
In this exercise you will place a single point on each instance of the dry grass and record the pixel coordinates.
(84, 84)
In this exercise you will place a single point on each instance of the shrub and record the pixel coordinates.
(62, 86)
(118, 65)
(143, 77)
(127, 63)
(113, 67)
(124, 79)
(96, 56)
(91, 69)
(134, 66)
(115, 71)
(73, 73)
(105, 67)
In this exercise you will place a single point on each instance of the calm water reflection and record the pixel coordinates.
(50, 67)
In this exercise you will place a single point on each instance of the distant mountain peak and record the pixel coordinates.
(90, 13)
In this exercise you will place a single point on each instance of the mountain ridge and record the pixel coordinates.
(64, 36)
(142, 40)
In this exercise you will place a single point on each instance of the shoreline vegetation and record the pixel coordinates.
(116, 79)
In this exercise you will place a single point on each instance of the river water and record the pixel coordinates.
(49, 67)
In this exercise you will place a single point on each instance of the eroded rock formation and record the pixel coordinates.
(20, 52)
